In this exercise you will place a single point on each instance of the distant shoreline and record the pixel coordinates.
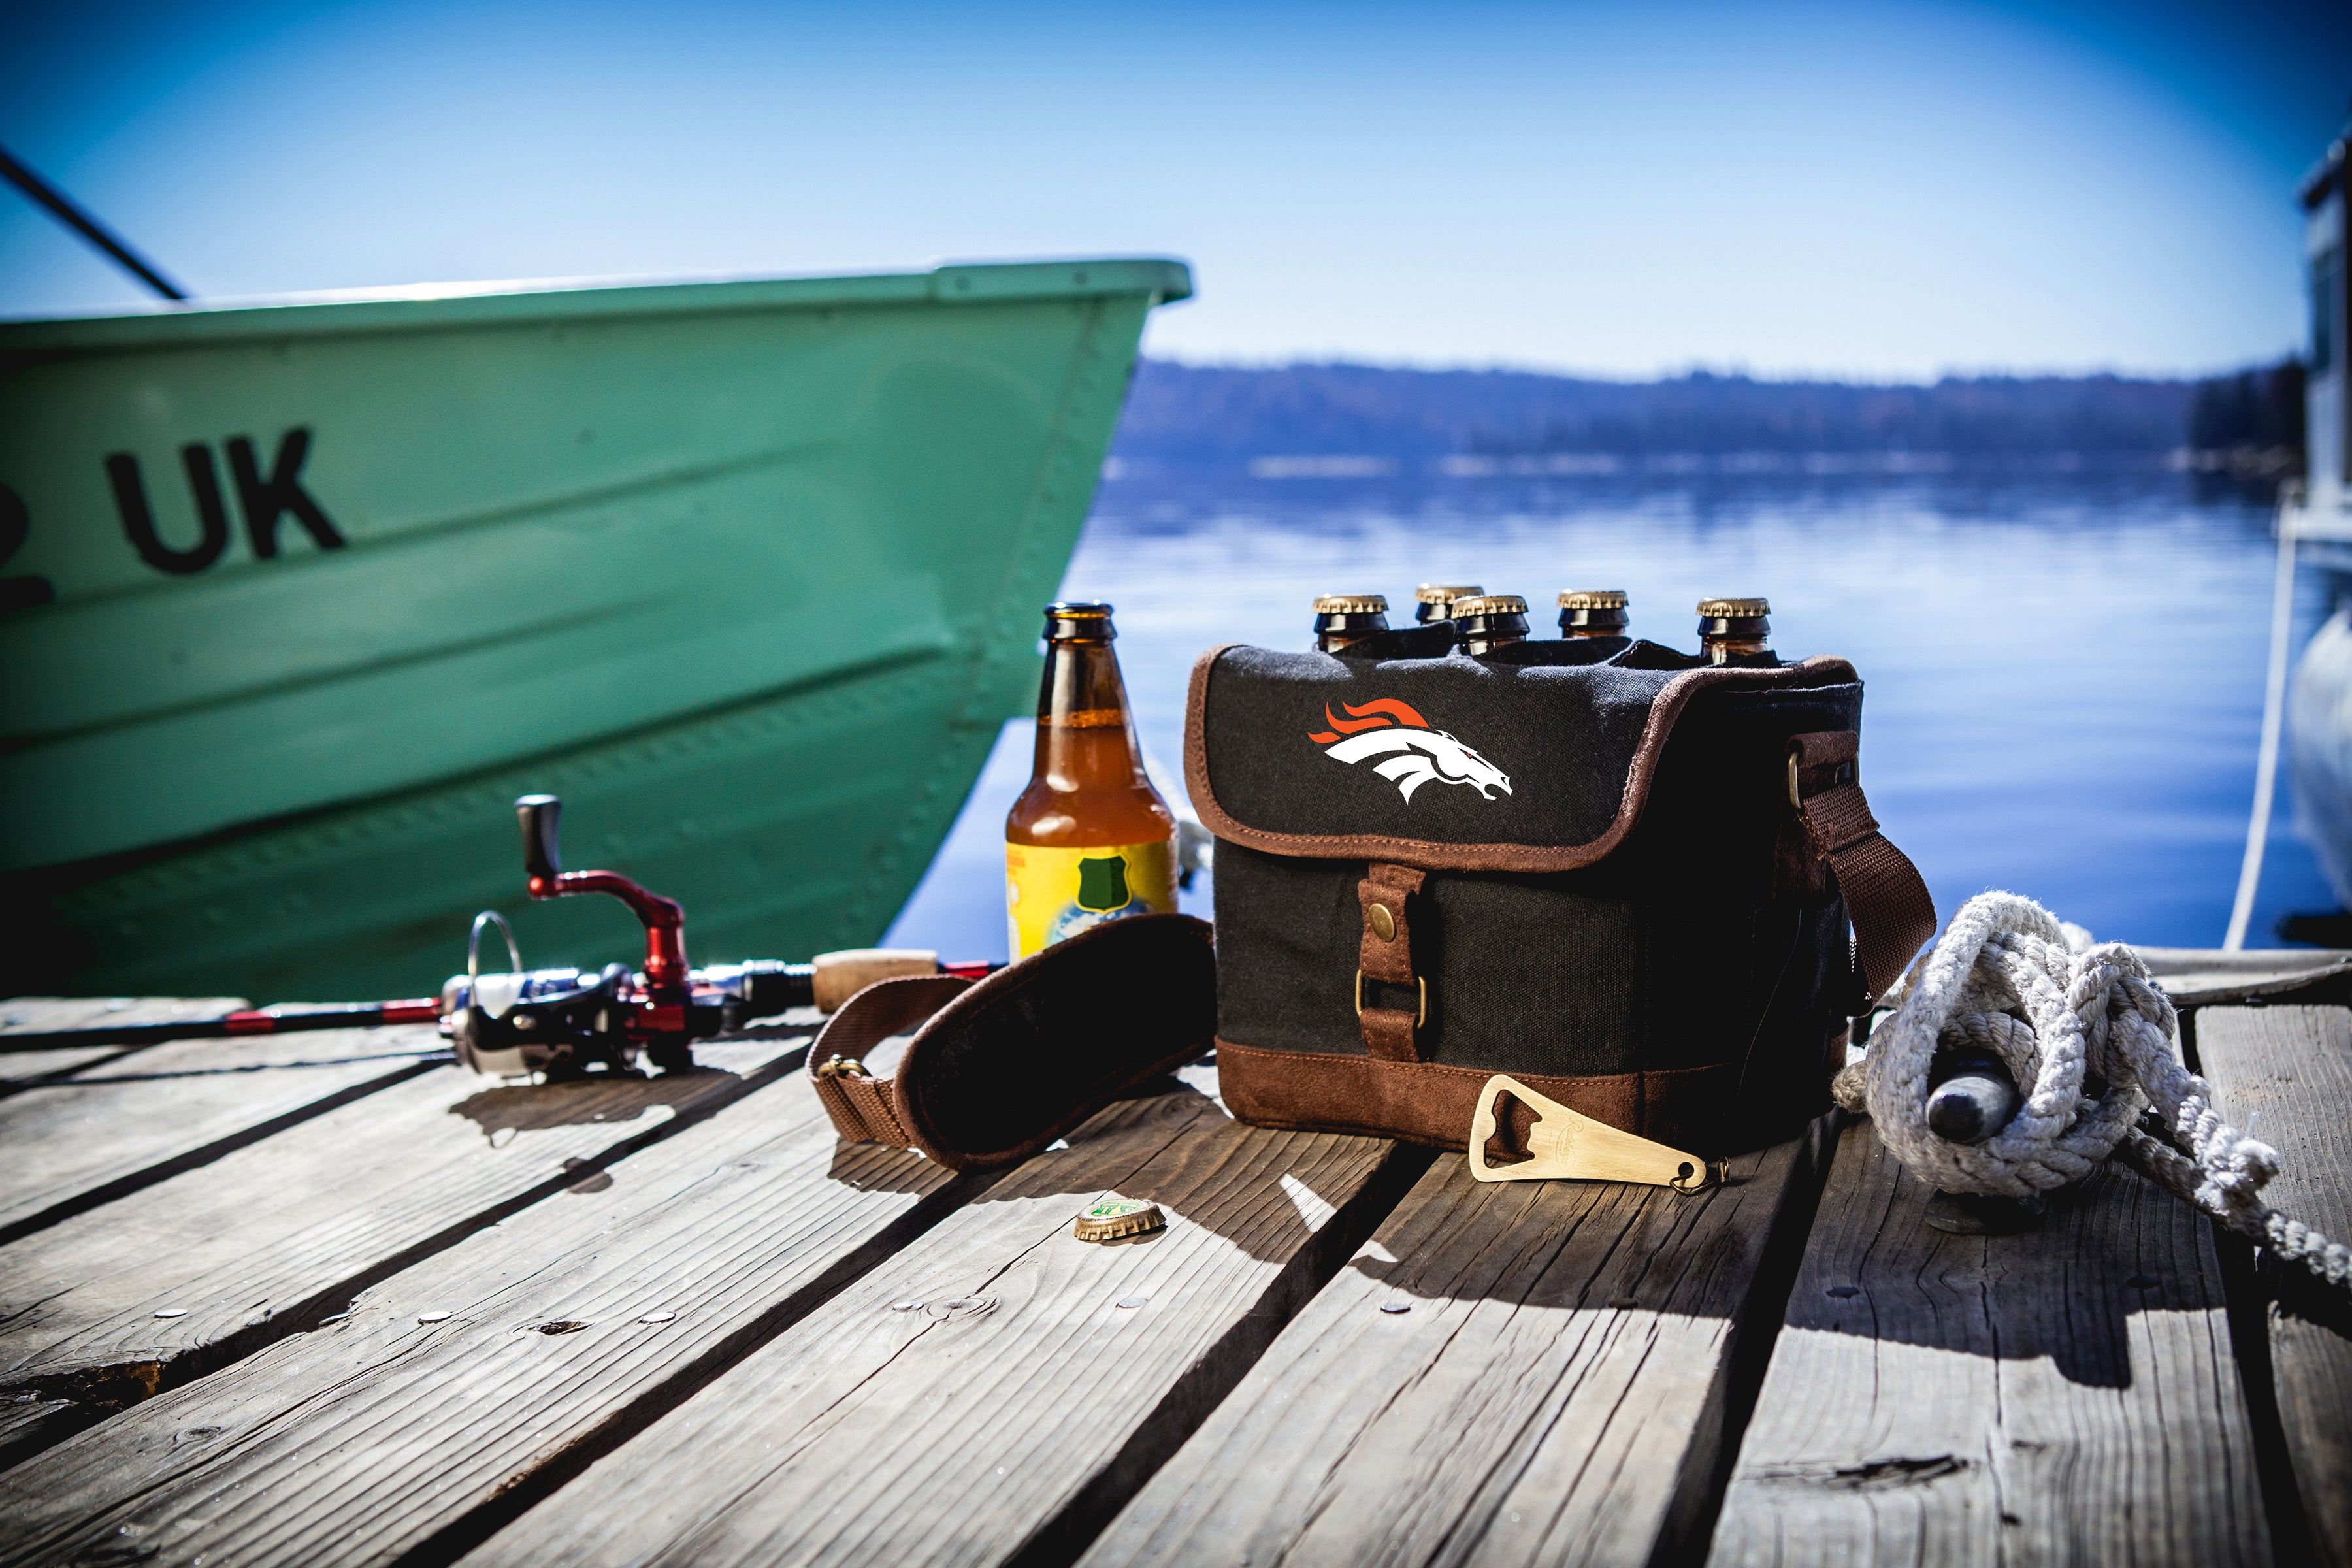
(1364, 466)
(1345, 421)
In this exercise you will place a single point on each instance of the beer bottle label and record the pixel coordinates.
(1053, 893)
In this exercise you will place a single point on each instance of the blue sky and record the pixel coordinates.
(1888, 190)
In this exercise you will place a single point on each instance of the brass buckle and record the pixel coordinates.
(1847, 772)
(1422, 981)
(842, 1066)
(1568, 1143)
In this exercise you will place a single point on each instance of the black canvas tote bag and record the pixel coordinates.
(1615, 873)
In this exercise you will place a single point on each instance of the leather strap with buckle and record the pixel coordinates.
(1385, 954)
(1568, 1143)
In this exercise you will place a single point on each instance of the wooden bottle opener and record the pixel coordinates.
(1567, 1143)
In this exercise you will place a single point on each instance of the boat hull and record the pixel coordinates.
(2319, 750)
(748, 573)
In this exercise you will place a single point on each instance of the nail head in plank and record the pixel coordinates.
(375, 1438)
(891, 1436)
(1555, 1393)
(1950, 1399)
(265, 1237)
(2289, 1070)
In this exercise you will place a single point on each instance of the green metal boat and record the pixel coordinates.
(300, 596)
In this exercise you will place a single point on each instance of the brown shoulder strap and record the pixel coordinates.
(863, 1107)
(998, 1068)
(1893, 915)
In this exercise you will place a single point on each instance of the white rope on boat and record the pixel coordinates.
(2059, 1011)
(2258, 830)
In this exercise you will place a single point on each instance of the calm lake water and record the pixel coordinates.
(2064, 671)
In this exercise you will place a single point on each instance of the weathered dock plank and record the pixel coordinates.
(111, 1306)
(999, 1388)
(2068, 1395)
(1520, 1373)
(2289, 1071)
(38, 1014)
(381, 1435)
(94, 1132)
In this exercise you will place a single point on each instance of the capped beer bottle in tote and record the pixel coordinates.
(1089, 840)
(1736, 631)
(1594, 613)
(1488, 621)
(1344, 618)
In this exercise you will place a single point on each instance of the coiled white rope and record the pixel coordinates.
(2097, 1042)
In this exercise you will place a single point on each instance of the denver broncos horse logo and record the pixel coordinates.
(1386, 725)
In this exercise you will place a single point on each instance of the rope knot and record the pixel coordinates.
(2092, 1042)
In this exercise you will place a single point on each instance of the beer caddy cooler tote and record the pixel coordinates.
(1617, 874)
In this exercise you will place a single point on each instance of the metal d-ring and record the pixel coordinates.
(474, 953)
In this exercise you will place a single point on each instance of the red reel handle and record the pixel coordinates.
(541, 816)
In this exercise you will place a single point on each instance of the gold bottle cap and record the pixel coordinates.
(1490, 604)
(1444, 593)
(1114, 1218)
(1734, 609)
(1594, 599)
(1351, 605)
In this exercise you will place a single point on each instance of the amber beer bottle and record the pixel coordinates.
(1735, 631)
(1089, 840)
(1488, 621)
(1433, 601)
(1344, 618)
(1594, 613)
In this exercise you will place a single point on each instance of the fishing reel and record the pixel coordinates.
(565, 1023)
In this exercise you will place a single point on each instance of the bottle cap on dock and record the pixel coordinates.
(1351, 605)
(1734, 609)
(1489, 604)
(1114, 1218)
(1445, 592)
(1594, 599)
(1085, 618)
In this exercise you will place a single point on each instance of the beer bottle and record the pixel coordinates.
(1433, 601)
(1089, 840)
(1594, 613)
(1735, 631)
(1486, 621)
(1344, 618)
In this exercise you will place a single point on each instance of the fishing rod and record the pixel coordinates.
(565, 1022)
(65, 210)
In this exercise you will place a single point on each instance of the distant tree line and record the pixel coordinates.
(2260, 409)
(1177, 411)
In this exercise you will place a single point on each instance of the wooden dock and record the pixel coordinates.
(327, 1298)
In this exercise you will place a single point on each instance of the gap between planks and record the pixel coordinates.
(41, 1014)
(424, 1436)
(80, 1140)
(275, 1237)
(984, 1396)
(2284, 1074)
(1531, 1373)
(2068, 1395)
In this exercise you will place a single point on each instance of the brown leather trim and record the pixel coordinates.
(1431, 1102)
(1388, 1032)
(1820, 671)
